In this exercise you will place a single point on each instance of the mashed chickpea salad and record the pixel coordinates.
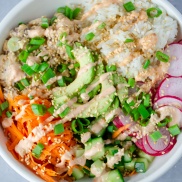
(93, 91)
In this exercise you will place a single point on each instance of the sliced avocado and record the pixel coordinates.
(100, 103)
(84, 57)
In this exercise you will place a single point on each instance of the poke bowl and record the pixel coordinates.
(91, 90)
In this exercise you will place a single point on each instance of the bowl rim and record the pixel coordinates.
(28, 176)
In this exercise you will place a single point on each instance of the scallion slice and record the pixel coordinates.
(77, 126)
(25, 82)
(53, 20)
(146, 100)
(102, 25)
(61, 10)
(154, 12)
(174, 130)
(143, 111)
(38, 150)
(38, 109)
(45, 23)
(129, 6)
(58, 129)
(146, 64)
(37, 41)
(9, 114)
(69, 52)
(23, 56)
(162, 57)
(128, 40)
(27, 69)
(49, 73)
(69, 12)
(35, 67)
(51, 110)
(43, 66)
(156, 135)
(62, 82)
(76, 65)
(4, 105)
(164, 122)
(30, 48)
(144, 122)
(73, 72)
(76, 11)
(62, 67)
(111, 68)
(64, 34)
(65, 112)
(19, 86)
(89, 36)
(131, 82)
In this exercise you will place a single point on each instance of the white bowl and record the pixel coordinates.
(31, 9)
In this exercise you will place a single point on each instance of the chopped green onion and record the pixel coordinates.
(76, 65)
(31, 97)
(73, 72)
(13, 44)
(4, 105)
(62, 82)
(31, 48)
(38, 150)
(132, 148)
(162, 57)
(49, 73)
(38, 109)
(58, 129)
(111, 68)
(69, 52)
(27, 69)
(76, 11)
(146, 100)
(126, 108)
(144, 122)
(131, 82)
(65, 112)
(128, 40)
(64, 34)
(9, 114)
(45, 23)
(68, 79)
(37, 41)
(43, 66)
(132, 103)
(78, 44)
(156, 135)
(110, 129)
(129, 6)
(77, 126)
(25, 82)
(85, 121)
(19, 86)
(154, 12)
(135, 114)
(61, 10)
(90, 36)
(62, 67)
(174, 130)
(69, 12)
(102, 25)
(143, 111)
(146, 64)
(23, 56)
(53, 20)
(51, 110)
(21, 23)
(35, 67)
(164, 122)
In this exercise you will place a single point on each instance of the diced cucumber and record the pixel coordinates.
(94, 149)
(79, 152)
(113, 176)
(130, 165)
(77, 173)
(97, 168)
(141, 165)
(146, 156)
(127, 156)
(111, 150)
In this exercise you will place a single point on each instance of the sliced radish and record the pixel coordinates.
(117, 122)
(139, 144)
(180, 42)
(168, 101)
(171, 87)
(175, 53)
(162, 143)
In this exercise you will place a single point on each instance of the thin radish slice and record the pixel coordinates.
(168, 101)
(147, 149)
(171, 87)
(139, 144)
(175, 53)
(170, 146)
(117, 122)
(180, 42)
(162, 143)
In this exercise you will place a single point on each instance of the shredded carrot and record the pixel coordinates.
(1, 95)
(132, 173)
(120, 130)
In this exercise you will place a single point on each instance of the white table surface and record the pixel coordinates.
(9, 175)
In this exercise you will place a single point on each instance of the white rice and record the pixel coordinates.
(113, 36)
